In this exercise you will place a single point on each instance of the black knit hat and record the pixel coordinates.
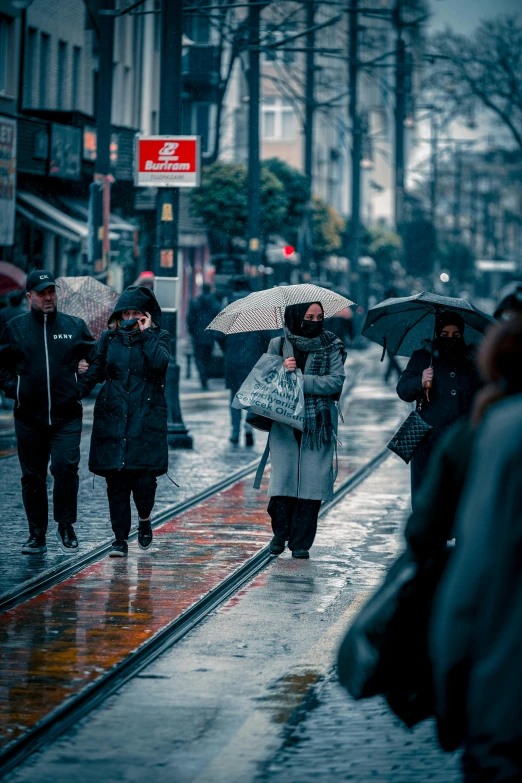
(450, 318)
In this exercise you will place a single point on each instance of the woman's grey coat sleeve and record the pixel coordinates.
(326, 385)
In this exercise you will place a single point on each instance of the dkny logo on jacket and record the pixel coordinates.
(62, 336)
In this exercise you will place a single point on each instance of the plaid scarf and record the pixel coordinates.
(318, 429)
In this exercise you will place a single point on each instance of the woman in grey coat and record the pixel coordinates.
(302, 462)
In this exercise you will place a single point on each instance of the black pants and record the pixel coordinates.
(120, 484)
(36, 445)
(294, 520)
(203, 357)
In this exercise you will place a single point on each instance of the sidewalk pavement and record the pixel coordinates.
(212, 459)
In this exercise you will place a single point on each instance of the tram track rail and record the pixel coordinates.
(58, 573)
(93, 695)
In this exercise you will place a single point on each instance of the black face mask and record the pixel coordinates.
(450, 347)
(311, 329)
(128, 326)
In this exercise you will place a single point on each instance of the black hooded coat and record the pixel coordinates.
(130, 416)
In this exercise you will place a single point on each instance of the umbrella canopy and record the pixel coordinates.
(87, 298)
(265, 309)
(11, 278)
(402, 325)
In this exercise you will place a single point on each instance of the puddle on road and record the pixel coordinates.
(292, 696)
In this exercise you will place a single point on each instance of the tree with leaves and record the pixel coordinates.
(222, 201)
(327, 230)
(481, 71)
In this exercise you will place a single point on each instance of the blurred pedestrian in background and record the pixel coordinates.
(442, 378)
(201, 312)
(39, 356)
(242, 351)
(510, 306)
(129, 435)
(302, 473)
(477, 623)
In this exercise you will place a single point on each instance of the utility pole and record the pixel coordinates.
(400, 113)
(99, 190)
(458, 192)
(307, 258)
(254, 168)
(167, 218)
(355, 123)
(434, 168)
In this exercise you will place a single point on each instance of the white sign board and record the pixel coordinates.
(167, 161)
(7, 180)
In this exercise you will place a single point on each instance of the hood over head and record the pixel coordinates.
(450, 318)
(137, 297)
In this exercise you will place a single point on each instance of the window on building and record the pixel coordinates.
(76, 65)
(62, 75)
(95, 91)
(6, 32)
(197, 28)
(201, 125)
(29, 66)
(45, 41)
(127, 96)
(154, 123)
(272, 34)
(278, 120)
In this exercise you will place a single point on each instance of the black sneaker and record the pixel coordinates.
(35, 545)
(67, 538)
(276, 546)
(249, 439)
(303, 554)
(144, 534)
(119, 549)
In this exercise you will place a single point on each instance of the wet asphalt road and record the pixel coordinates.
(250, 695)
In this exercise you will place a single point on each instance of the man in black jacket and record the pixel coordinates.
(39, 356)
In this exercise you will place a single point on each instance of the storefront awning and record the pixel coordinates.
(80, 208)
(48, 217)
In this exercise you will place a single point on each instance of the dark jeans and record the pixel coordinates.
(294, 520)
(120, 485)
(203, 357)
(36, 445)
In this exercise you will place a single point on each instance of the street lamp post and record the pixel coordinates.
(355, 122)
(167, 219)
(254, 168)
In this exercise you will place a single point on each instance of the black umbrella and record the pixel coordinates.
(402, 325)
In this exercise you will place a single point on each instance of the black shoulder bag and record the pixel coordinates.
(410, 435)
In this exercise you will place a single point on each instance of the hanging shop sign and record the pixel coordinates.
(65, 157)
(167, 161)
(7, 180)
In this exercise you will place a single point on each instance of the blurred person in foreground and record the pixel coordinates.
(477, 620)
(201, 312)
(447, 365)
(242, 351)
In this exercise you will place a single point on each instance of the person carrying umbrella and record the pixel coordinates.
(302, 462)
(129, 435)
(443, 379)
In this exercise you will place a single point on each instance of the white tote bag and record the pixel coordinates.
(273, 392)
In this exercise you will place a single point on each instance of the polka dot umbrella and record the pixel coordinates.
(87, 298)
(265, 309)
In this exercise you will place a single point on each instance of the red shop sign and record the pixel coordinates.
(167, 161)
